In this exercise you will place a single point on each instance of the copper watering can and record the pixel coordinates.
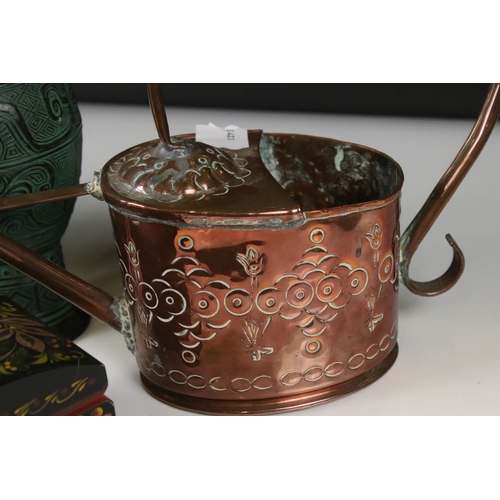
(256, 280)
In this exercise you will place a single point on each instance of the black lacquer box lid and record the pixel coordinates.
(44, 374)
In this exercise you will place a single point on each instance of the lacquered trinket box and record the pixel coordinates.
(42, 373)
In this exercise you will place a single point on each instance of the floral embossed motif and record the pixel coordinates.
(371, 300)
(252, 262)
(198, 306)
(146, 173)
(375, 239)
(253, 331)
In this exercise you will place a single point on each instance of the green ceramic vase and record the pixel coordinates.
(40, 149)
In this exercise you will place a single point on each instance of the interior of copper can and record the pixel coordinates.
(319, 173)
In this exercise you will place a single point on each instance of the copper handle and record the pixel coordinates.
(159, 115)
(440, 196)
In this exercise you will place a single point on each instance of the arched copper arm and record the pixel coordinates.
(159, 115)
(440, 196)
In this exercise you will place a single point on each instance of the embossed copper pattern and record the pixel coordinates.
(213, 182)
(145, 175)
(259, 313)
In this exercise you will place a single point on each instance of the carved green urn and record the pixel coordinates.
(40, 149)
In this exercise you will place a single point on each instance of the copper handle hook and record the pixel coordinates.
(159, 115)
(440, 196)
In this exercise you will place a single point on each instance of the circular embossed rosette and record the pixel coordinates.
(233, 314)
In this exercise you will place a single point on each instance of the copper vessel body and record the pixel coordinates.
(229, 319)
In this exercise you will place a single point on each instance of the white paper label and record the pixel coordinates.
(231, 137)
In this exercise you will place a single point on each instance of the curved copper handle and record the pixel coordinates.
(160, 116)
(440, 196)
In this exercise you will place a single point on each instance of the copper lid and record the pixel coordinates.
(199, 181)
(157, 172)
(178, 177)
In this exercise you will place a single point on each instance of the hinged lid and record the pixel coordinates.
(204, 180)
(177, 177)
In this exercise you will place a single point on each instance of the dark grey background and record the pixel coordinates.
(431, 100)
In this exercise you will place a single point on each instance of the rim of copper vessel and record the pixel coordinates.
(162, 213)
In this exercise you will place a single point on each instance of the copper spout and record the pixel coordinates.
(85, 296)
(440, 196)
(90, 299)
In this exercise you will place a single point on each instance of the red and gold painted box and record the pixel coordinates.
(42, 373)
